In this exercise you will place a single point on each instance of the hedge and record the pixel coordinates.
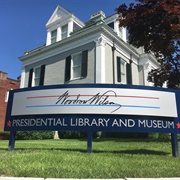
(4, 135)
(33, 135)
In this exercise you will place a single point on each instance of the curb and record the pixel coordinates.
(29, 178)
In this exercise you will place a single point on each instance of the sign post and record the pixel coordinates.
(12, 140)
(89, 142)
(94, 107)
(174, 144)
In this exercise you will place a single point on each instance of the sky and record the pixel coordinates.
(22, 25)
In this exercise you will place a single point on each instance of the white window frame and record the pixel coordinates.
(123, 72)
(64, 34)
(34, 75)
(74, 66)
(53, 38)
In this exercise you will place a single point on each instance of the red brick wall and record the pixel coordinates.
(6, 84)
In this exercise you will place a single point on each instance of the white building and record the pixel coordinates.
(93, 52)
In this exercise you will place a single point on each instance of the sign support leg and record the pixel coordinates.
(11, 140)
(174, 144)
(89, 142)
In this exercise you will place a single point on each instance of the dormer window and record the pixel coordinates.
(111, 25)
(76, 27)
(53, 36)
(61, 24)
(112, 22)
(64, 31)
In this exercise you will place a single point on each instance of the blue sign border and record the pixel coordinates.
(116, 123)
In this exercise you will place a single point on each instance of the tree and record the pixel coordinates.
(155, 25)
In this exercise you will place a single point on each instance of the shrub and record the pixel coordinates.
(96, 134)
(159, 136)
(179, 136)
(126, 135)
(69, 134)
(76, 134)
(153, 136)
(33, 135)
(4, 135)
(164, 136)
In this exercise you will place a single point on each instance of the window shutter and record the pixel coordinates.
(68, 69)
(84, 63)
(129, 73)
(30, 78)
(118, 69)
(41, 83)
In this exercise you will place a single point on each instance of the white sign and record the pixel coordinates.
(122, 101)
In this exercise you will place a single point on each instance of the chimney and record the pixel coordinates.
(98, 15)
(3, 75)
(19, 78)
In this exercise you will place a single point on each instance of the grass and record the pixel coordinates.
(111, 158)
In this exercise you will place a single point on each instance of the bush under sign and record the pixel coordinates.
(95, 107)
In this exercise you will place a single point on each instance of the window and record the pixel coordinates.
(123, 71)
(53, 36)
(37, 72)
(111, 25)
(76, 66)
(64, 31)
(124, 74)
(76, 27)
(36, 76)
(30, 77)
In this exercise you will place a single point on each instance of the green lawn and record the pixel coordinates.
(111, 158)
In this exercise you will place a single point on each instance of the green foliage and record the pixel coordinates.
(159, 136)
(159, 33)
(4, 135)
(153, 136)
(97, 134)
(69, 134)
(30, 135)
(164, 136)
(126, 135)
(76, 134)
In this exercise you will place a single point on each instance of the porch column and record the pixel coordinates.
(22, 77)
(70, 28)
(146, 70)
(48, 39)
(100, 60)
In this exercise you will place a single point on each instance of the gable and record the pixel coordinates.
(58, 14)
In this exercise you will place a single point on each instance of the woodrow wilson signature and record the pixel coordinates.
(97, 99)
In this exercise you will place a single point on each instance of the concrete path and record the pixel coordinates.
(29, 178)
